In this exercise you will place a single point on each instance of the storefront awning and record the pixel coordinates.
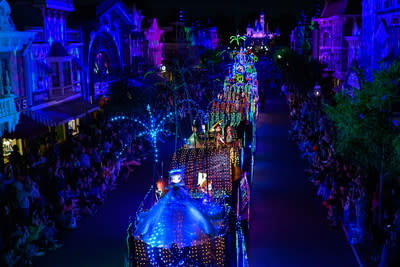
(62, 113)
(27, 128)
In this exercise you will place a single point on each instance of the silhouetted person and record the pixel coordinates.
(15, 160)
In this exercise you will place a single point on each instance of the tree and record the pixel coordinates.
(366, 134)
(237, 39)
(299, 71)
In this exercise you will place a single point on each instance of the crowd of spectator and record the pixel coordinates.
(47, 190)
(349, 195)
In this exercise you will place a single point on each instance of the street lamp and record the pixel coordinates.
(317, 94)
(317, 90)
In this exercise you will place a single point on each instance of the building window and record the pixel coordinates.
(73, 126)
(56, 75)
(326, 39)
(5, 71)
(102, 68)
(8, 147)
(66, 73)
(75, 70)
(42, 79)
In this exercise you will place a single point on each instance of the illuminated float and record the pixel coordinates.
(179, 230)
(239, 99)
(196, 217)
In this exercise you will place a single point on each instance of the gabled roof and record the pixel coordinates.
(341, 7)
(118, 6)
(58, 50)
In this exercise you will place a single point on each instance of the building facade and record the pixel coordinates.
(153, 36)
(259, 35)
(330, 46)
(46, 70)
(58, 72)
(14, 80)
(380, 32)
(123, 44)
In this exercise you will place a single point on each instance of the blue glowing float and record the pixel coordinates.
(179, 230)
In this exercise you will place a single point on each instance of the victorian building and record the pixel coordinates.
(344, 40)
(184, 42)
(14, 79)
(380, 32)
(330, 46)
(153, 36)
(46, 69)
(123, 44)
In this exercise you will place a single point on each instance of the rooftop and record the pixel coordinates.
(341, 7)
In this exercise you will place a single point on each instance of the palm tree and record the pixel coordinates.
(182, 70)
(237, 39)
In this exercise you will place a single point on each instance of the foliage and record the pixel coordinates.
(237, 39)
(299, 71)
(366, 134)
(211, 57)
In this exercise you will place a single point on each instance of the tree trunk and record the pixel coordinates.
(176, 120)
(380, 210)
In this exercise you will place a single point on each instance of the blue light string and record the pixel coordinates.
(152, 129)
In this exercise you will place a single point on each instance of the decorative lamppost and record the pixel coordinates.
(317, 94)
(317, 90)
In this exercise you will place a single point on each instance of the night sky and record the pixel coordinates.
(228, 15)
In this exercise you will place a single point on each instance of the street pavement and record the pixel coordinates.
(100, 240)
(288, 225)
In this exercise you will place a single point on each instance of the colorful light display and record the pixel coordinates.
(239, 99)
(171, 232)
(215, 163)
(153, 129)
(179, 231)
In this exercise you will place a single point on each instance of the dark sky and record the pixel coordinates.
(228, 15)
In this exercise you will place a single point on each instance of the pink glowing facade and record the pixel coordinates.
(258, 30)
(153, 36)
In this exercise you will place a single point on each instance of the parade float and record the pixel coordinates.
(238, 101)
(198, 214)
(179, 230)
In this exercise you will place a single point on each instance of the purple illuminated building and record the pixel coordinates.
(356, 33)
(330, 46)
(153, 36)
(258, 36)
(380, 33)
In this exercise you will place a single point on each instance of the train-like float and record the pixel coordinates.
(199, 214)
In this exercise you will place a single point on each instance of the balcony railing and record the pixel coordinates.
(70, 36)
(7, 106)
(39, 36)
(74, 36)
(56, 93)
(8, 113)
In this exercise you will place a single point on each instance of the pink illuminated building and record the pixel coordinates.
(153, 36)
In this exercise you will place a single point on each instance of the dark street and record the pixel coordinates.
(288, 225)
